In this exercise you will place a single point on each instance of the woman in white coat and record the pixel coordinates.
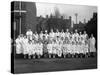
(92, 44)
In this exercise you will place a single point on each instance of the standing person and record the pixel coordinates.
(29, 34)
(92, 45)
(51, 35)
(41, 35)
(45, 42)
(76, 35)
(46, 35)
(86, 49)
(57, 34)
(80, 44)
(72, 37)
(58, 47)
(36, 36)
(67, 34)
(85, 36)
(18, 45)
(62, 34)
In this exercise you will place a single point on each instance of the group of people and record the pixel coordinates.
(55, 44)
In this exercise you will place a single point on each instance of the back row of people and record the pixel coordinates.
(55, 35)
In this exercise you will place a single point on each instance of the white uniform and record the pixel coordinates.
(85, 36)
(36, 37)
(52, 34)
(85, 48)
(73, 49)
(18, 46)
(62, 34)
(68, 48)
(67, 34)
(22, 44)
(41, 36)
(33, 48)
(64, 46)
(59, 50)
(46, 36)
(92, 45)
(49, 47)
(80, 48)
(54, 48)
(57, 34)
(30, 48)
(76, 35)
(77, 48)
(25, 47)
(29, 34)
(37, 48)
(73, 36)
(41, 49)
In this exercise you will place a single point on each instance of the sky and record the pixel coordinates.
(84, 12)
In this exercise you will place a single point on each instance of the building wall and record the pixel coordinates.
(31, 16)
(28, 18)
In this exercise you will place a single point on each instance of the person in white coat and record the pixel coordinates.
(62, 34)
(29, 34)
(41, 35)
(76, 35)
(92, 44)
(46, 35)
(51, 35)
(36, 36)
(18, 45)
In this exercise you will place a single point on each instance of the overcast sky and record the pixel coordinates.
(66, 9)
